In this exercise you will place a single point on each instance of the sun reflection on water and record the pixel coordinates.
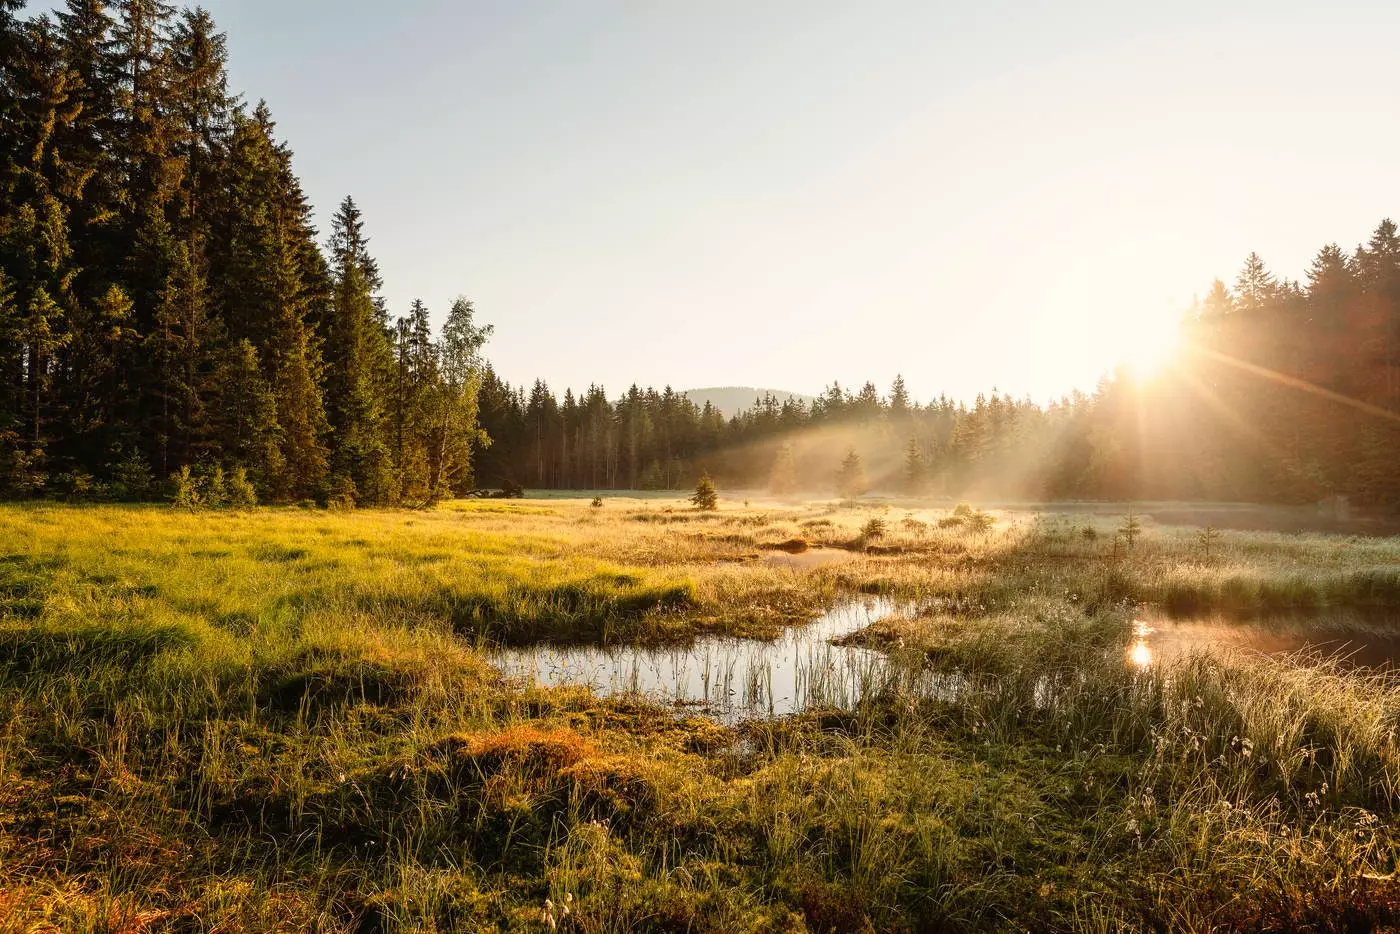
(1140, 653)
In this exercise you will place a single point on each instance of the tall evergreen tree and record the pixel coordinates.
(358, 357)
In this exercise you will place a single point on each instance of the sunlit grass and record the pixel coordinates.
(281, 721)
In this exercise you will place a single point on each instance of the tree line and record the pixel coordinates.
(168, 310)
(1281, 392)
(165, 302)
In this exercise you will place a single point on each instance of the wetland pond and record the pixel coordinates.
(722, 677)
(731, 679)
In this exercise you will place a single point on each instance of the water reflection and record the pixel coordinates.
(1140, 649)
(726, 678)
(1350, 640)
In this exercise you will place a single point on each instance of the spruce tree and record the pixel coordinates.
(705, 497)
(915, 470)
(454, 431)
(850, 479)
(358, 363)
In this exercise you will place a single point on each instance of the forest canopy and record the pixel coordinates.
(167, 304)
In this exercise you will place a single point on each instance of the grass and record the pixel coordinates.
(283, 721)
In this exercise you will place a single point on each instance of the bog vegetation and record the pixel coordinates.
(285, 719)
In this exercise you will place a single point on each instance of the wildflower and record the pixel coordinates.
(1246, 748)
(547, 914)
(568, 902)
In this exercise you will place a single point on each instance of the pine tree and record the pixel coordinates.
(245, 415)
(850, 479)
(357, 364)
(96, 399)
(899, 398)
(455, 430)
(270, 280)
(915, 470)
(1255, 287)
(705, 497)
(43, 335)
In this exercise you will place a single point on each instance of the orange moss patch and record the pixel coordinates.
(554, 749)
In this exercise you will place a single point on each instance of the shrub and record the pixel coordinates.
(241, 494)
(211, 489)
(215, 489)
(184, 490)
(980, 521)
(874, 529)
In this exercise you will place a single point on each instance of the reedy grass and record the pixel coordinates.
(279, 721)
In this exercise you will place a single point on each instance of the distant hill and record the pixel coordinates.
(731, 400)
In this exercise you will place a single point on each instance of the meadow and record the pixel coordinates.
(286, 720)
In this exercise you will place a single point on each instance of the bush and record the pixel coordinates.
(77, 485)
(241, 494)
(215, 490)
(211, 489)
(185, 490)
(873, 530)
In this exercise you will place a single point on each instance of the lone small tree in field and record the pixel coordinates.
(1208, 537)
(1130, 529)
(850, 479)
(705, 496)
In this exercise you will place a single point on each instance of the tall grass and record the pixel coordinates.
(280, 721)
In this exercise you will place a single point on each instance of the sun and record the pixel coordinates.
(1148, 344)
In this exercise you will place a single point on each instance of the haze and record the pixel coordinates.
(788, 193)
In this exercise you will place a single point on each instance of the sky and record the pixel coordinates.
(784, 193)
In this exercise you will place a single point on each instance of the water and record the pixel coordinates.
(732, 679)
(725, 678)
(1352, 641)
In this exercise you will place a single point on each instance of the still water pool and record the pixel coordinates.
(725, 678)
